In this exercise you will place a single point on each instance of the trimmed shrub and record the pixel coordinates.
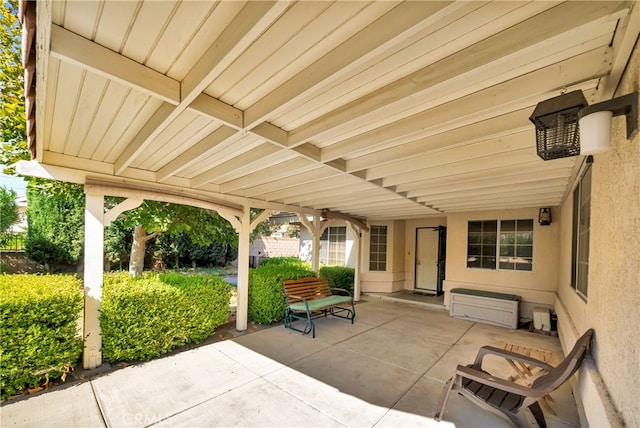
(143, 317)
(289, 262)
(339, 276)
(266, 293)
(39, 315)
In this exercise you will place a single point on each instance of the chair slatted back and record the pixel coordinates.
(563, 371)
(308, 288)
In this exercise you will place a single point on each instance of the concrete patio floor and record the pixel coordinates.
(386, 370)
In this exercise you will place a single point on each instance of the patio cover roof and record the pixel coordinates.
(372, 109)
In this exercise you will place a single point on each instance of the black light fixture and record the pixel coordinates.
(544, 216)
(556, 122)
(567, 126)
(324, 215)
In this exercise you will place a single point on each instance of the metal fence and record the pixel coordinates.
(12, 241)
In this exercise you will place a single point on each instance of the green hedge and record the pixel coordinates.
(39, 317)
(147, 316)
(287, 262)
(339, 276)
(266, 293)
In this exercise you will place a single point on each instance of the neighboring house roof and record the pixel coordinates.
(371, 109)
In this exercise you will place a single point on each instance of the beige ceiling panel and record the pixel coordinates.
(288, 168)
(508, 143)
(114, 24)
(315, 174)
(337, 182)
(261, 157)
(132, 116)
(490, 182)
(178, 33)
(443, 177)
(457, 29)
(498, 126)
(515, 51)
(249, 71)
(91, 97)
(234, 146)
(82, 17)
(65, 104)
(217, 21)
(507, 191)
(331, 28)
(514, 94)
(149, 23)
(482, 163)
(112, 98)
(185, 131)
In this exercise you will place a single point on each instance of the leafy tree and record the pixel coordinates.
(56, 224)
(8, 208)
(117, 244)
(12, 110)
(153, 218)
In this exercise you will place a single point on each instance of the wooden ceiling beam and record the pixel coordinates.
(84, 53)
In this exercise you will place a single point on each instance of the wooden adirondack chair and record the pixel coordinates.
(507, 399)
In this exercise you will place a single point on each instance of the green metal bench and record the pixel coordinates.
(311, 297)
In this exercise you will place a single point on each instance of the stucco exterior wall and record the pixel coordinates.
(393, 279)
(613, 304)
(536, 288)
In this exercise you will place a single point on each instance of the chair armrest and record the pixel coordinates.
(491, 350)
(495, 382)
(299, 298)
(341, 290)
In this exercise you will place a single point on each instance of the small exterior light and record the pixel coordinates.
(544, 216)
(324, 215)
(595, 122)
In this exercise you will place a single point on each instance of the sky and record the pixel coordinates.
(15, 183)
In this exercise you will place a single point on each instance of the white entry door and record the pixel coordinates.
(427, 260)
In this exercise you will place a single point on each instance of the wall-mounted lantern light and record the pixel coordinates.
(567, 126)
(595, 122)
(544, 216)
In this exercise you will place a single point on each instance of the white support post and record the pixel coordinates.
(244, 235)
(358, 249)
(315, 228)
(93, 271)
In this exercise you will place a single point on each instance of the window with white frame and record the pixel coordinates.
(378, 248)
(333, 245)
(581, 230)
(500, 244)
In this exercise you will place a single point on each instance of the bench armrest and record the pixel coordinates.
(341, 290)
(491, 350)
